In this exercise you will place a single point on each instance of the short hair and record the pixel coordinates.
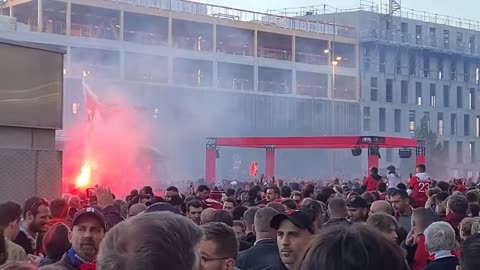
(262, 219)
(32, 204)
(224, 237)
(275, 189)
(122, 205)
(352, 247)
(314, 208)
(474, 209)
(374, 170)
(249, 216)
(194, 204)
(58, 208)
(289, 203)
(176, 200)
(222, 216)
(296, 193)
(369, 197)
(238, 211)
(277, 206)
(472, 196)
(444, 186)
(421, 168)
(55, 242)
(440, 236)
(149, 240)
(383, 222)
(136, 209)
(442, 196)
(433, 191)
(239, 223)
(231, 192)
(172, 188)
(400, 192)
(231, 201)
(458, 204)
(337, 204)
(9, 212)
(469, 226)
(423, 217)
(470, 253)
(307, 190)
(382, 187)
(285, 192)
(202, 188)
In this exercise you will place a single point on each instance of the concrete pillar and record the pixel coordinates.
(294, 50)
(40, 16)
(255, 43)
(255, 77)
(68, 19)
(12, 14)
(170, 70)
(294, 81)
(122, 24)
(215, 38)
(68, 61)
(170, 31)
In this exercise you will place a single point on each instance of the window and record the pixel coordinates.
(466, 125)
(368, 55)
(389, 91)
(453, 124)
(382, 119)
(453, 70)
(440, 68)
(426, 66)
(411, 121)
(446, 39)
(397, 119)
(382, 60)
(459, 97)
(471, 99)
(426, 115)
(446, 96)
(389, 154)
(418, 93)
(433, 95)
(404, 30)
(440, 123)
(398, 64)
(466, 71)
(471, 150)
(459, 40)
(477, 74)
(418, 36)
(373, 89)
(459, 152)
(471, 44)
(75, 108)
(477, 126)
(411, 65)
(433, 37)
(404, 91)
(366, 119)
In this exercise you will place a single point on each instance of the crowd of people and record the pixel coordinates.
(382, 224)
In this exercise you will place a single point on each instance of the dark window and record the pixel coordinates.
(471, 148)
(426, 66)
(471, 99)
(382, 119)
(389, 91)
(366, 119)
(440, 68)
(411, 121)
(453, 124)
(411, 65)
(418, 93)
(453, 70)
(466, 125)
(398, 64)
(382, 60)
(459, 97)
(446, 96)
(466, 71)
(404, 91)
(373, 89)
(459, 152)
(440, 124)
(446, 39)
(433, 37)
(433, 95)
(418, 32)
(397, 120)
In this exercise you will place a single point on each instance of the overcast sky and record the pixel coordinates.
(467, 9)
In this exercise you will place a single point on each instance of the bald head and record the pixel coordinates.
(381, 207)
(136, 209)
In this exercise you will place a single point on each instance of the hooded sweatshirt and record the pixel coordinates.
(393, 179)
(418, 187)
(372, 182)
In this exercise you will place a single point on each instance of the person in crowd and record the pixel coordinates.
(222, 216)
(136, 209)
(177, 202)
(219, 248)
(10, 218)
(357, 208)
(289, 204)
(238, 211)
(457, 208)
(386, 224)
(441, 245)
(239, 229)
(265, 251)
(55, 243)
(440, 203)
(297, 197)
(206, 215)
(194, 211)
(326, 194)
(472, 197)
(74, 204)
(150, 241)
(352, 247)
(419, 185)
(315, 209)
(36, 214)
(474, 209)
(417, 253)
(272, 194)
(161, 207)
(294, 231)
(403, 210)
(337, 211)
(370, 197)
(285, 192)
(248, 219)
(147, 190)
(373, 179)
(381, 207)
(229, 204)
(382, 191)
(470, 254)
(231, 193)
(469, 227)
(308, 192)
(122, 207)
(393, 179)
(202, 192)
(277, 206)
(59, 212)
(170, 192)
(431, 193)
(89, 228)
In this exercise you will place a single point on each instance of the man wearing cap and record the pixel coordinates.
(294, 231)
(87, 233)
(357, 208)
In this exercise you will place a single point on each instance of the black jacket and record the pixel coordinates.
(64, 264)
(261, 256)
(23, 241)
(112, 216)
(448, 263)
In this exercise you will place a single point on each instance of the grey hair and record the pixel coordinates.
(263, 218)
(151, 241)
(440, 236)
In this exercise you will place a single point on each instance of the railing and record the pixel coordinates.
(93, 31)
(80, 70)
(312, 90)
(147, 38)
(235, 83)
(243, 50)
(278, 54)
(244, 16)
(145, 75)
(192, 43)
(195, 80)
(310, 58)
(274, 87)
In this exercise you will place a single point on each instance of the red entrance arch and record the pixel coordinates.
(372, 143)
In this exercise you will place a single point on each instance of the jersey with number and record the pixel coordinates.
(419, 184)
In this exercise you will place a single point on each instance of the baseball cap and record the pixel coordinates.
(357, 202)
(299, 218)
(161, 207)
(92, 212)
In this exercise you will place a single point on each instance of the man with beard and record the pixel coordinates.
(357, 208)
(36, 214)
(87, 233)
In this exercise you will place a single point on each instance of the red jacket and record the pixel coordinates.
(372, 182)
(421, 254)
(419, 184)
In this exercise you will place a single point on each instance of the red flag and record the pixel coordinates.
(91, 101)
(253, 168)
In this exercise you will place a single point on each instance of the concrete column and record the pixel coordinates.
(40, 16)
(294, 50)
(12, 14)
(170, 31)
(215, 38)
(294, 81)
(68, 19)
(255, 43)
(122, 24)
(170, 70)
(68, 61)
(255, 77)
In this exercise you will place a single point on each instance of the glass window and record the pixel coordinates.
(389, 91)
(466, 125)
(404, 91)
(373, 89)
(459, 97)
(418, 93)
(440, 123)
(382, 119)
(433, 95)
(411, 121)
(446, 96)
(453, 124)
(397, 120)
